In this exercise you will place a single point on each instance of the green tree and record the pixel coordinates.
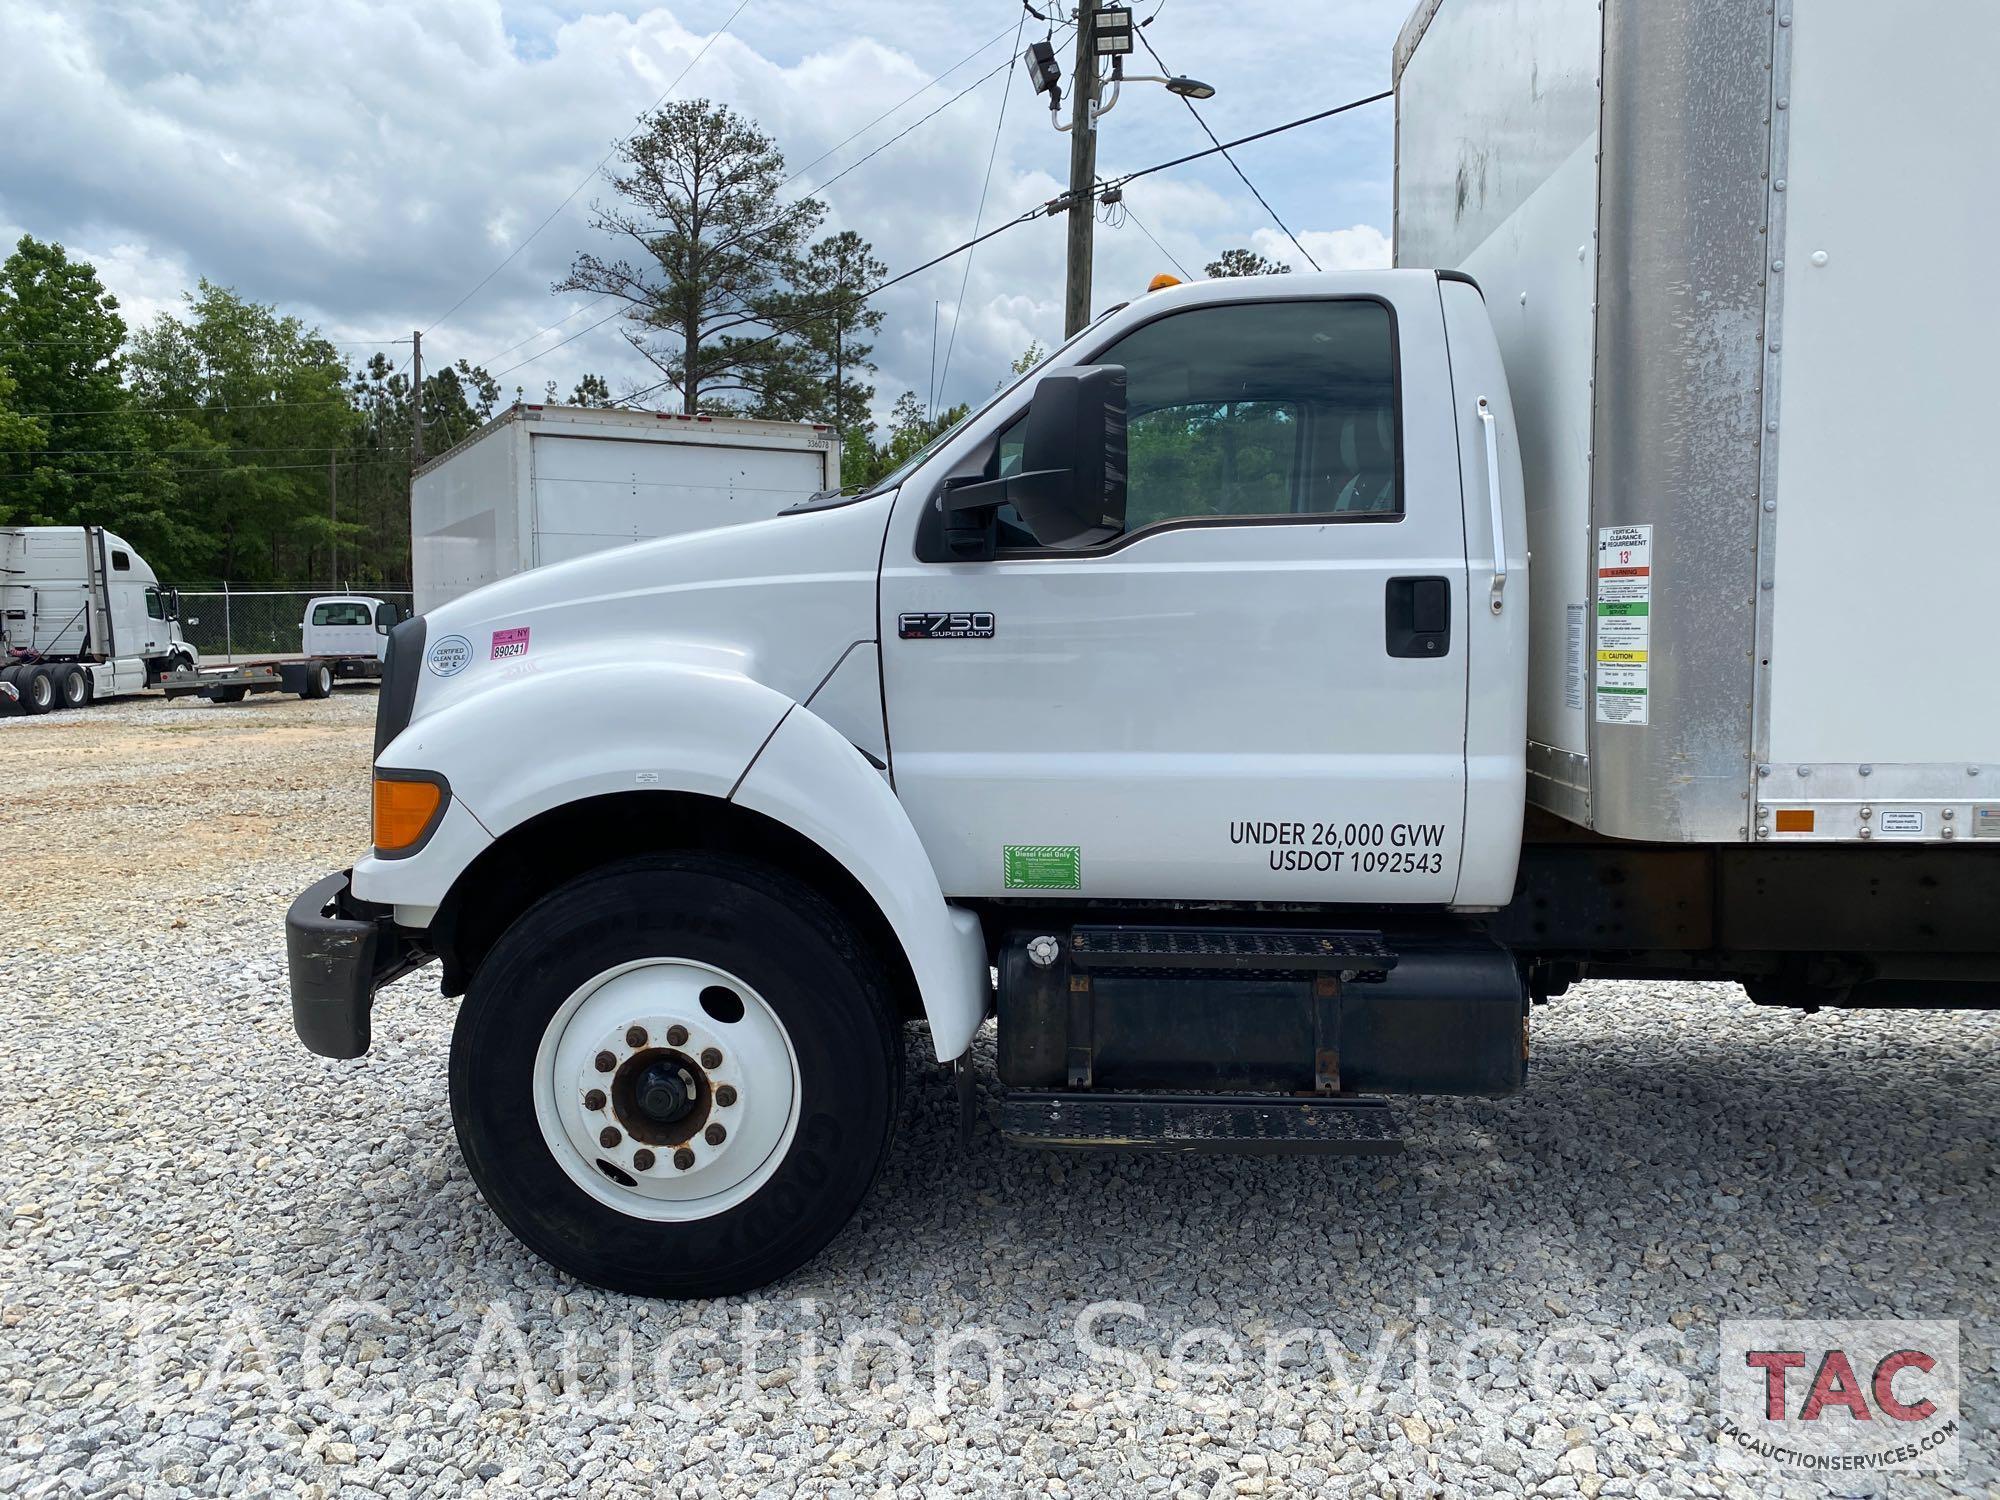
(252, 410)
(725, 293)
(592, 390)
(818, 371)
(910, 432)
(1242, 262)
(20, 435)
(61, 337)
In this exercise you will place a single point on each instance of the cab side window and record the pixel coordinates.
(155, 608)
(1261, 409)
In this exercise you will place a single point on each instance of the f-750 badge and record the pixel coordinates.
(934, 625)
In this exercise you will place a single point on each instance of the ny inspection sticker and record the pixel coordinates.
(1624, 623)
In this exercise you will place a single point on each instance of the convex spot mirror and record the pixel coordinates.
(1070, 488)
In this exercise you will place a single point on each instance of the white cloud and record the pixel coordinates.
(364, 163)
(1361, 248)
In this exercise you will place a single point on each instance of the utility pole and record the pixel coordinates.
(1082, 170)
(416, 398)
(333, 510)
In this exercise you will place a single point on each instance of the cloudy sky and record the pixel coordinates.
(365, 164)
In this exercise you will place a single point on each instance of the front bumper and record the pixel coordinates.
(341, 950)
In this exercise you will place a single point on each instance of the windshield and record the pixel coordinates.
(909, 465)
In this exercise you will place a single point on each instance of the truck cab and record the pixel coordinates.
(1184, 683)
(348, 627)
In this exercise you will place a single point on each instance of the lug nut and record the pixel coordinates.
(606, 1062)
(677, 1036)
(643, 1160)
(726, 1095)
(715, 1135)
(684, 1158)
(594, 1099)
(609, 1137)
(711, 1057)
(635, 1036)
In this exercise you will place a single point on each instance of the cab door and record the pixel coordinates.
(1258, 690)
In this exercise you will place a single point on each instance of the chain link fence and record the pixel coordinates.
(247, 622)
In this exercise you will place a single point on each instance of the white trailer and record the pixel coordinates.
(542, 484)
(1198, 685)
(82, 616)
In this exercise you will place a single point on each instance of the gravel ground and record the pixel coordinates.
(231, 1268)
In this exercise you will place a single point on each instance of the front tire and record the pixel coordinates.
(677, 1076)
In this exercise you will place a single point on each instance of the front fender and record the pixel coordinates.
(544, 739)
(812, 780)
(535, 743)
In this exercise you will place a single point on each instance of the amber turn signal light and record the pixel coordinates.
(404, 811)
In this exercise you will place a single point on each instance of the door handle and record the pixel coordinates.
(1416, 617)
(1493, 496)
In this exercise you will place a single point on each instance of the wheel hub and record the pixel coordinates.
(667, 1089)
(665, 1092)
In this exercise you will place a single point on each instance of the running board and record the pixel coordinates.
(1262, 1124)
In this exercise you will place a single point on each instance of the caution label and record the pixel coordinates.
(1624, 624)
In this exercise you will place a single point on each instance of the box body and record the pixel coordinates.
(1729, 253)
(542, 484)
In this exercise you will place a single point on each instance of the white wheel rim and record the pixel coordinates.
(745, 1073)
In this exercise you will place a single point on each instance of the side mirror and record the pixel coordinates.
(1070, 489)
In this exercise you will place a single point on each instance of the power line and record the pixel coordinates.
(616, 312)
(1243, 140)
(1146, 42)
(881, 286)
(573, 313)
(156, 470)
(800, 172)
(1135, 219)
(986, 182)
(592, 174)
(940, 78)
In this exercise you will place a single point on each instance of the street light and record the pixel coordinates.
(1190, 88)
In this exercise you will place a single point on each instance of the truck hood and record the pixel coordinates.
(776, 601)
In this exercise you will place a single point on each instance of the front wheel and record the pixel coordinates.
(677, 1076)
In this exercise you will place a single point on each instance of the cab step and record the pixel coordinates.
(1230, 950)
(1261, 1124)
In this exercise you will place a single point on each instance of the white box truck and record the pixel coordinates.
(542, 484)
(1203, 684)
(82, 616)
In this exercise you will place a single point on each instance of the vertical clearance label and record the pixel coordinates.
(1043, 867)
(1624, 624)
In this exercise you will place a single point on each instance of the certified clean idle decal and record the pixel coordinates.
(508, 644)
(449, 656)
(941, 625)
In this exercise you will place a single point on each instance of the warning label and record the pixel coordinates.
(1624, 623)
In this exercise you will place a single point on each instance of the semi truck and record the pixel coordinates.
(1258, 707)
(541, 483)
(82, 617)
